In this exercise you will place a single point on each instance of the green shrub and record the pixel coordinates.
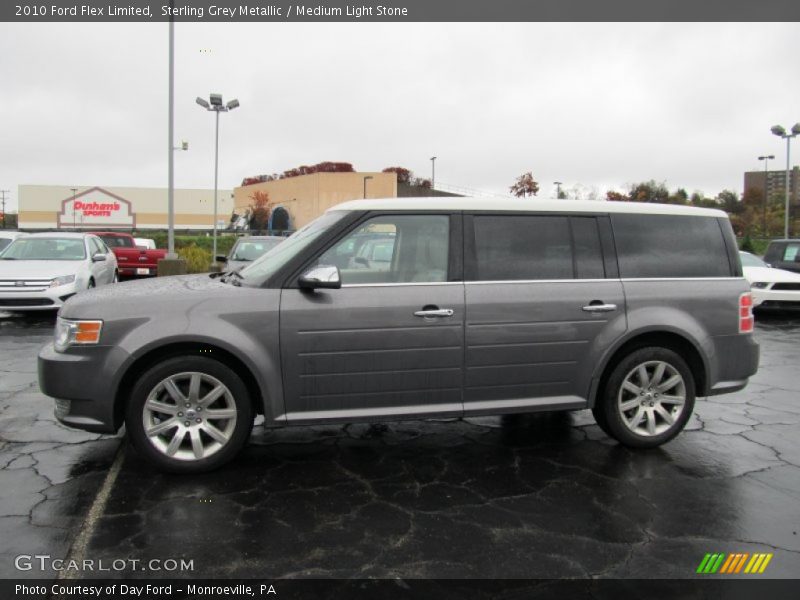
(198, 260)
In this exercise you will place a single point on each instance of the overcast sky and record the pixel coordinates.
(598, 105)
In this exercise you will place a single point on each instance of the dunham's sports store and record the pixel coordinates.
(101, 207)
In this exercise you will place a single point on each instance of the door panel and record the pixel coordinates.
(533, 340)
(360, 351)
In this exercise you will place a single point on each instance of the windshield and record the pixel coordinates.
(269, 263)
(4, 242)
(748, 260)
(117, 241)
(249, 250)
(45, 249)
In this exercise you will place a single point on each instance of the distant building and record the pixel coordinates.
(296, 201)
(775, 184)
(125, 208)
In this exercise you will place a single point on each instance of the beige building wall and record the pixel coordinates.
(308, 196)
(41, 205)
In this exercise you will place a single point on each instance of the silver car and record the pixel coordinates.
(474, 308)
(41, 271)
(248, 249)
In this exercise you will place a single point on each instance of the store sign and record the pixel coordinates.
(96, 208)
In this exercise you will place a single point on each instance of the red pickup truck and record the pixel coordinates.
(132, 259)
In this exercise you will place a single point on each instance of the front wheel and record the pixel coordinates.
(189, 414)
(648, 398)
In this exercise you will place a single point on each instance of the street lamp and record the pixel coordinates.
(215, 105)
(766, 160)
(558, 189)
(781, 133)
(433, 175)
(365, 184)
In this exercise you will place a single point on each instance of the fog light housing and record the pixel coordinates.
(759, 285)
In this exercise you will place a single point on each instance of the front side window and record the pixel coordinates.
(790, 254)
(393, 249)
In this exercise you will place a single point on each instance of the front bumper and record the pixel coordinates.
(83, 382)
(775, 297)
(41, 299)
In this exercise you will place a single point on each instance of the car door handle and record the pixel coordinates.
(435, 312)
(599, 307)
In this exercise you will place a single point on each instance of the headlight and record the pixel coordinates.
(759, 285)
(63, 280)
(71, 333)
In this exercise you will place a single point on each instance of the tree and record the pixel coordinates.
(649, 191)
(615, 196)
(403, 175)
(524, 186)
(260, 210)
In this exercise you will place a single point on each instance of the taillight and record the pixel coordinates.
(746, 313)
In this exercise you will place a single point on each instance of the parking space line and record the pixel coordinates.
(77, 551)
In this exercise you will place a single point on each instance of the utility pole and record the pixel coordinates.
(3, 200)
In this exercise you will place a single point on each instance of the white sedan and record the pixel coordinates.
(41, 271)
(771, 287)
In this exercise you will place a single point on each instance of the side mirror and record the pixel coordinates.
(98, 257)
(221, 259)
(323, 276)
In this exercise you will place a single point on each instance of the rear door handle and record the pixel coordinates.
(600, 307)
(436, 312)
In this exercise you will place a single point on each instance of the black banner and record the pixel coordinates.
(374, 589)
(398, 10)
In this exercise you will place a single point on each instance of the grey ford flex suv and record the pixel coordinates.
(475, 307)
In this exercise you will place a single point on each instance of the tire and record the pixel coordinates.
(90, 285)
(181, 439)
(636, 408)
(115, 278)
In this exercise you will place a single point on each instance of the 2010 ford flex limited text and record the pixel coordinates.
(412, 308)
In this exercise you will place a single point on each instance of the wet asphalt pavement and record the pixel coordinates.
(545, 495)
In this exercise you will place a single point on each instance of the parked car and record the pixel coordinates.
(784, 254)
(133, 261)
(771, 287)
(145, 243)
(247, 249)
(6, 237)
(41, 271)
(629, 309)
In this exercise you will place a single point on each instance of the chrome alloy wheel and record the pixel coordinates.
(189, 416)
(651, 398)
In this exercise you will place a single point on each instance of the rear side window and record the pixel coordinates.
(536, 247)
(791, 253)
(670, 246)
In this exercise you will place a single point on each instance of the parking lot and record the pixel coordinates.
(546, 495)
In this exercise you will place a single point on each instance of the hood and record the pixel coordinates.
(35, 269)
(769, 275)
(146, 296)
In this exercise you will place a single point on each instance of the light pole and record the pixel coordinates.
(171, 140)
(433, 175)
(365, 184)
(558, 189)
(73, 206)
(215, 105)
(766, 160)
(781, 132)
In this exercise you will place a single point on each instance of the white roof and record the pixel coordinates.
(528, 204)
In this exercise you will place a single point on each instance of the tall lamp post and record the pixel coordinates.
(215, 105)
(365, 184)
(433, 175)
(766, 160)
(73, 206)
(781, 133)
(558, 189)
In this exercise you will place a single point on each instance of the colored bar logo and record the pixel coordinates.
(735, 563)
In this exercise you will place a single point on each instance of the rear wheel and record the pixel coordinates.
(189, 414)
(648, 398)
(90, 285)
